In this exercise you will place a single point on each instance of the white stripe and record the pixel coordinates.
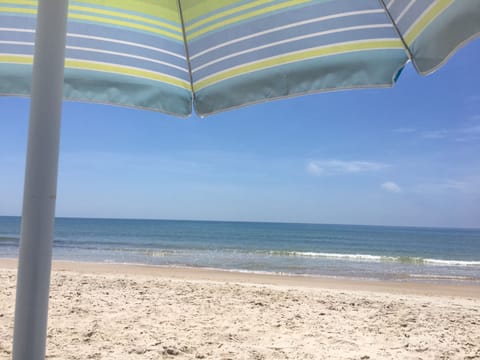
(323, 18)
(126, 67)
(126, 55)
(404, 11)
(17, 30)
(321, 33)
(389, 5)
(16, 42)
(292, 53)
(126, 43)
(418, 19)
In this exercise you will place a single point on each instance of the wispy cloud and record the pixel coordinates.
(469, 134)
(391, 186)
(404, 130)
(331, 167)
(442, 186)
(473, 98)
(461, 135)
(475, 117)
(471, 130)
(436, 134)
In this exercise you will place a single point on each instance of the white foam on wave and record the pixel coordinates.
(451, 262)
(378, 258)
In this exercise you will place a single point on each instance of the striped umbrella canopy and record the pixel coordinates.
(175, 55)
(166, 54)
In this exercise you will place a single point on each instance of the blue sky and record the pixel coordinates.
(402, 156)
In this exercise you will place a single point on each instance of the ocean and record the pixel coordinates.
(352, 251)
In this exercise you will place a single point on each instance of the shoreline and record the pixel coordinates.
(183, 273)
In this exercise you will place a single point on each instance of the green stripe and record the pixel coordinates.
(299, 56)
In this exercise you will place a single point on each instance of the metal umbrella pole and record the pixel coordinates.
(36, 240)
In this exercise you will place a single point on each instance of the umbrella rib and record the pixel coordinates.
(189, 65)
(397, 30)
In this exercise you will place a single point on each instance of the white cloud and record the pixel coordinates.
(330, 167)
(391, 187)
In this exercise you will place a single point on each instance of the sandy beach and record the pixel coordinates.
(109, 311)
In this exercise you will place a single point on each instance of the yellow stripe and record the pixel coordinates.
(121, 70)
(246, 16)
(226, 13)
(426, 20)
(17, 10)
(299, 56)
(126, 24)
(19, 2)
(128, 16)
(16, 59)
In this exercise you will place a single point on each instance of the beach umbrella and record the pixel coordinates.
(167, 55)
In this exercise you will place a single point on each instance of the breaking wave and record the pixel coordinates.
(376, 258)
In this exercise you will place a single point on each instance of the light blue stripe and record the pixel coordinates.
(16, 36)
(412, 15)
(363, 69)
(16, 49)
(130, 35)
(126, 49)
(398, 7)
(18, 21)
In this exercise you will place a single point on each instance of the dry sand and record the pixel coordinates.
(101, 311)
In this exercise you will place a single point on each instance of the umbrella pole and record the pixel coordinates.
(35, 254)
